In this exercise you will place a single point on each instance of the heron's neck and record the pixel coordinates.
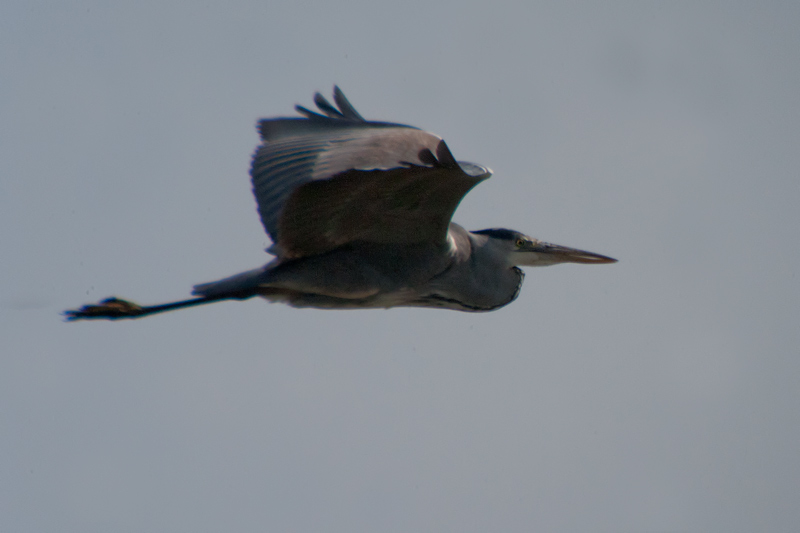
(492, 270)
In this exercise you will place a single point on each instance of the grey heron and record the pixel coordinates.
(359, 213)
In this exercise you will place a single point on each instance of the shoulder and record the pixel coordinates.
(459, 242)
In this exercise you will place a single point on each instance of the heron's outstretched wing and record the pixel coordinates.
(326, 180)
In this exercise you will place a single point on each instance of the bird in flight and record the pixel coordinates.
(359, 213)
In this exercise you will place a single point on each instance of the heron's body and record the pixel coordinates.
(372, 275)
(360, 217)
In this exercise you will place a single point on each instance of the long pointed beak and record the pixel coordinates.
(545, 253)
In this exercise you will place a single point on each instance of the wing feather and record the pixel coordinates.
(404, 205)
(344, 104)
(333, 178)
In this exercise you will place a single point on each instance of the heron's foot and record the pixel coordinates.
(109, 309)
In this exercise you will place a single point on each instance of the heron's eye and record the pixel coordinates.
(520, 243)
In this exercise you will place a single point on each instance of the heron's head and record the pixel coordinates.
(521, 250)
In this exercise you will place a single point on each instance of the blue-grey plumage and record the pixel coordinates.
(452, 274)
(359, 213)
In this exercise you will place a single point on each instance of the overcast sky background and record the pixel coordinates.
(660, 394)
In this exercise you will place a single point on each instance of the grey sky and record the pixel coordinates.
(660, 394)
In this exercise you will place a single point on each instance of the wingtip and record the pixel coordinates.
(326, 107)
(345, 106)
